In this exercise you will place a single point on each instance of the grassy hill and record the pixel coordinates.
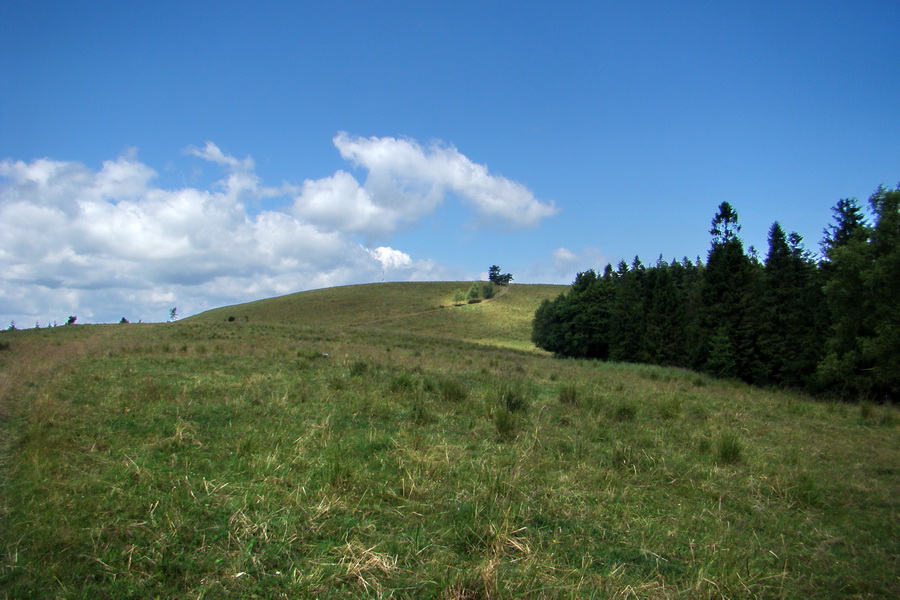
(375, 441)
(425, 308)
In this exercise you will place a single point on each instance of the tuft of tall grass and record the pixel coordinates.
(504, 422)
(360, 368)
(624, 411)
(729, 448)
(512, 395)
(568, 394)
(452, 390)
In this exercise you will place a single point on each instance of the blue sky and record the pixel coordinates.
(198, 154)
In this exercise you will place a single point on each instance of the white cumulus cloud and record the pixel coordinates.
(110, 242)
(409, 180)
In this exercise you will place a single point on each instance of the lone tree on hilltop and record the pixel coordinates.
(494, 276)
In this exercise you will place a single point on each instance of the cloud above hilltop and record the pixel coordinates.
(110, 242)
(406, 182)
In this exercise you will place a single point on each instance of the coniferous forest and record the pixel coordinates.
(826, 323)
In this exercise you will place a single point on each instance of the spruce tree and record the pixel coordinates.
(664, 339)
(627, 319)
(863, 295)
(731, 345)
(791, 329)
(846, 248)
(883, 279)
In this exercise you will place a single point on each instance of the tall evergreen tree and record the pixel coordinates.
(846, 249)
(791, 328)
(688, 279)
(728, 303)
(849, 221)
(627, 321)
(665, 318)
(863, 294)
(883, 280)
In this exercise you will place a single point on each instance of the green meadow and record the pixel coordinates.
(378, 441)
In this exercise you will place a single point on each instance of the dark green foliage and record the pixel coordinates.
(666, 320)
(494, 276)
(862, 290)
(792, 326)
(576, 324)
(627, 318)
(729, 304)
(830, 327)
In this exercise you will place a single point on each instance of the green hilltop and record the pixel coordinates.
(378, 441)
(420, 307)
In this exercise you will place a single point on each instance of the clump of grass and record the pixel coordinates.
(888, 417)
(704, 445)
(419, 412)
(624, 457)
(805, 490)
(624, 411)
(729, 448)
(452, 390)
(310, 354)
(504, 423)
(402, 382)
(866, 410)
(365, 567)
(359, 368)
(568, 394)
(670, 408)
(512, 395)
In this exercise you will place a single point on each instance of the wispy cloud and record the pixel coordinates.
(110, 242)
(563, 265)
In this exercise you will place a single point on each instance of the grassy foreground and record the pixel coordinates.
(373, 441)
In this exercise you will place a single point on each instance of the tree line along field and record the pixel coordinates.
(826, 324)
(377, 441)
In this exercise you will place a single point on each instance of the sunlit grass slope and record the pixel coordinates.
(420, 307)
(364, 443)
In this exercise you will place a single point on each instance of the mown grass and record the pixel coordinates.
(211, 458)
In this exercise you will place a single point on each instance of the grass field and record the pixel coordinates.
(376, 441)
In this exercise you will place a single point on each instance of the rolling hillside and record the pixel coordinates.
(425, 308)
(376, 442)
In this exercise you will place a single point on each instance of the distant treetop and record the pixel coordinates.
(494, 276)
